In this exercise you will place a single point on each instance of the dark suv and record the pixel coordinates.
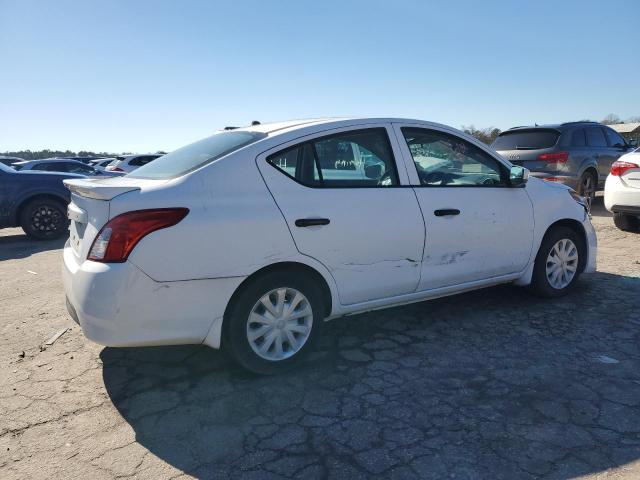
(578, 154)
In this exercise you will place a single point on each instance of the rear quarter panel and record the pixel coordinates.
(233, 227)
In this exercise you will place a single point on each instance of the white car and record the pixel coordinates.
(622, 192)
(255, 236)
(101, 164)
(128, 163)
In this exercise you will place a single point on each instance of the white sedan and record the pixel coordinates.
(622, 192)
(255, 236)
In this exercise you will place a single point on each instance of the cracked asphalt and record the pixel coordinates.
(494, 384)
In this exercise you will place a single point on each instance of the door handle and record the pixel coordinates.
(311, 222)
(446, 212)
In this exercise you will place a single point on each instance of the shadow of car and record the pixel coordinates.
(491, 384)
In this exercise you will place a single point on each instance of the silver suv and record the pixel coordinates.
(578, 154)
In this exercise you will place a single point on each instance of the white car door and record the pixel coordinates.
(348, 206)
(477, 227)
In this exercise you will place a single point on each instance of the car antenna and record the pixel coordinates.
(254, 123)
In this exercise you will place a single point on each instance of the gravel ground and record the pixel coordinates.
(492, 384)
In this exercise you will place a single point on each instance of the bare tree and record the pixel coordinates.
(611, 119)
(485, 135)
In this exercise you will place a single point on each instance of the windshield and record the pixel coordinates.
(526, 140)
(191, 157)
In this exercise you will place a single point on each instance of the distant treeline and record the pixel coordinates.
(36, 155)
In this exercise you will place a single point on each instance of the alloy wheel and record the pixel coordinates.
(46, 218)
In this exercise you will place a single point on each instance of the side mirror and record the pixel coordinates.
(373, 171)
(518, 176)
(633, 143)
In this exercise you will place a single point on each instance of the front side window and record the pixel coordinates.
(359, 158)
(615, 140)
(595, 137)
(444, 160)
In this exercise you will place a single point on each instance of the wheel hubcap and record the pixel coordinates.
(279, 324)
(562, 264)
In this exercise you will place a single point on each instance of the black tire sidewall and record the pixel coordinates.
(540, 283)
(595, 186)
(626, 223)
(27, 212)
(235, 321)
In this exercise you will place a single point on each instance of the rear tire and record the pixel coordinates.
(627, 223)
(44, 219)
(273, 322)
(559, 262)
(587, 186)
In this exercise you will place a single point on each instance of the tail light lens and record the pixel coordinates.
(114, 169)
(558, 157)
(120, 235)
(618, 168)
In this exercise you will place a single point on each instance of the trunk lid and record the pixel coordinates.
(89, 209)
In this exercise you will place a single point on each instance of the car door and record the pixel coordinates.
(597, 143)
(477, 227)
(348, 206)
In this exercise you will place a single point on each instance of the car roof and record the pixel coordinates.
(278, 128)
(554, 126)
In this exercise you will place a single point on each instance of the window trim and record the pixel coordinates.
(310, 141)
(504, 169)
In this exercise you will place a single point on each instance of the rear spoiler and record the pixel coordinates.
(99, 189)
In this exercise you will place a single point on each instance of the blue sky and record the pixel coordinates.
(142, 76)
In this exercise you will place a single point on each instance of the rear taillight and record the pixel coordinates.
(119, 236)
(618, 168)
(114, 169)
(558, 157)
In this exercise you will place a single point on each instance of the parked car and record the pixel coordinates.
(577, 154)
(9, 160)
(35, 201)
(58, 165)
(128, 163)
(254, 236)
(86, 160)
(622, 192)
(101, 163)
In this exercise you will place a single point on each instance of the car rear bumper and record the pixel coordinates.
(119, 305)
(620, 198)
(567, 180)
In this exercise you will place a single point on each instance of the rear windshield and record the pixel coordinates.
(526, 140)
(191, 157)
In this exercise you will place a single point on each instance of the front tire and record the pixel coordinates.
(627, 223)
(273, 322)
(559, 262)
(44, 219)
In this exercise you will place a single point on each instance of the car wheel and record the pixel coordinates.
(559, 262)
(587, 186)
(44, 219)
(273, 322)
(627, 223)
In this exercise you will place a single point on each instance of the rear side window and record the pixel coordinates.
(595, 137)
(359, 158)
(615, 140)
(526, 140)
(578, 138)
(194, 156)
